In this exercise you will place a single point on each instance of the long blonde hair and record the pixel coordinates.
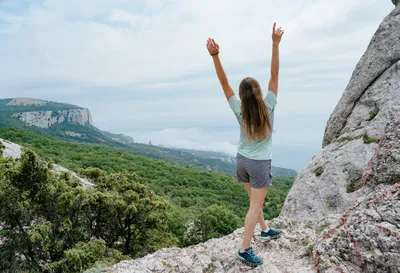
(254, 111)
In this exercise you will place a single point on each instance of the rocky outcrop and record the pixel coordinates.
(374, 78)
(287, 255)
(14, 150)
(26, 102)
(45, 119)
(322, 187)
(353, 130)
(73, 134)
(121, 138)
(367, 236)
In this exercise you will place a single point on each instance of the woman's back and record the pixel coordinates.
(260, 149)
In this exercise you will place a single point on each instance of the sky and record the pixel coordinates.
(142, 67)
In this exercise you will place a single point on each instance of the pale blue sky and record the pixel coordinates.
(142, 67)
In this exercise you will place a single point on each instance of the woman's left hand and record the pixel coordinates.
(277, 34)
(212, 46)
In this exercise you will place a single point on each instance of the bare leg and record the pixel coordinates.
(256, 203)
(261, 220)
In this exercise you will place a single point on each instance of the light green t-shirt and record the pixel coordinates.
(259, 149)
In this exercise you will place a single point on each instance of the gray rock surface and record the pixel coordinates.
(11, 149)
(14, 150)
(383, 54)
(73, 134)
(357, 122)
(288, 254)
(45, 119)
(396, 2)
(373, 221)
(313, 197)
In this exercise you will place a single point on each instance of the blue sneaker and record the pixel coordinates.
(271, 234)
(249, 257)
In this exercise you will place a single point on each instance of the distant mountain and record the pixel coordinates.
(74, 123)
(62, 120)
(228, 163)
(121, 138)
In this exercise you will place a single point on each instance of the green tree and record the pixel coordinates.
(50, 223)
(1, 148)
(214, 221)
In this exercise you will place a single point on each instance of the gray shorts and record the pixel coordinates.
(257, 172)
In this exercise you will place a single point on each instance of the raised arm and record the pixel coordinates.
(276, 39)
(213, 49)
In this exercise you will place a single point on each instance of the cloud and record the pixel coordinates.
(130, 18)
(71, 43)
(191, 138)
(288, 155)
(142, 66)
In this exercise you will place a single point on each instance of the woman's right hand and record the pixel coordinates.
(212, 46)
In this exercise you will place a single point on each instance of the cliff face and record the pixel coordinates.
(353, 130)
(45, 119)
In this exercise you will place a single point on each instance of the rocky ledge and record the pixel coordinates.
(291, 253)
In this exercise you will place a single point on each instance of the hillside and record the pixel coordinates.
(15, 151)
(188, 188)
(74, 123)
(65, 221)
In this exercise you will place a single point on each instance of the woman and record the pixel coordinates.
(253, 162)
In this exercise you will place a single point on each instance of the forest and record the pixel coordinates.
(178, 206)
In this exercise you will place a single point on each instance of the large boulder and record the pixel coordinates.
(367, 236)
(327, 184)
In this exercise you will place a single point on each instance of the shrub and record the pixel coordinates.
(372, 114)
(319, 171)
(368, 140)
(352, 187)
(321, 228)
(215, 221)
(309, 250)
